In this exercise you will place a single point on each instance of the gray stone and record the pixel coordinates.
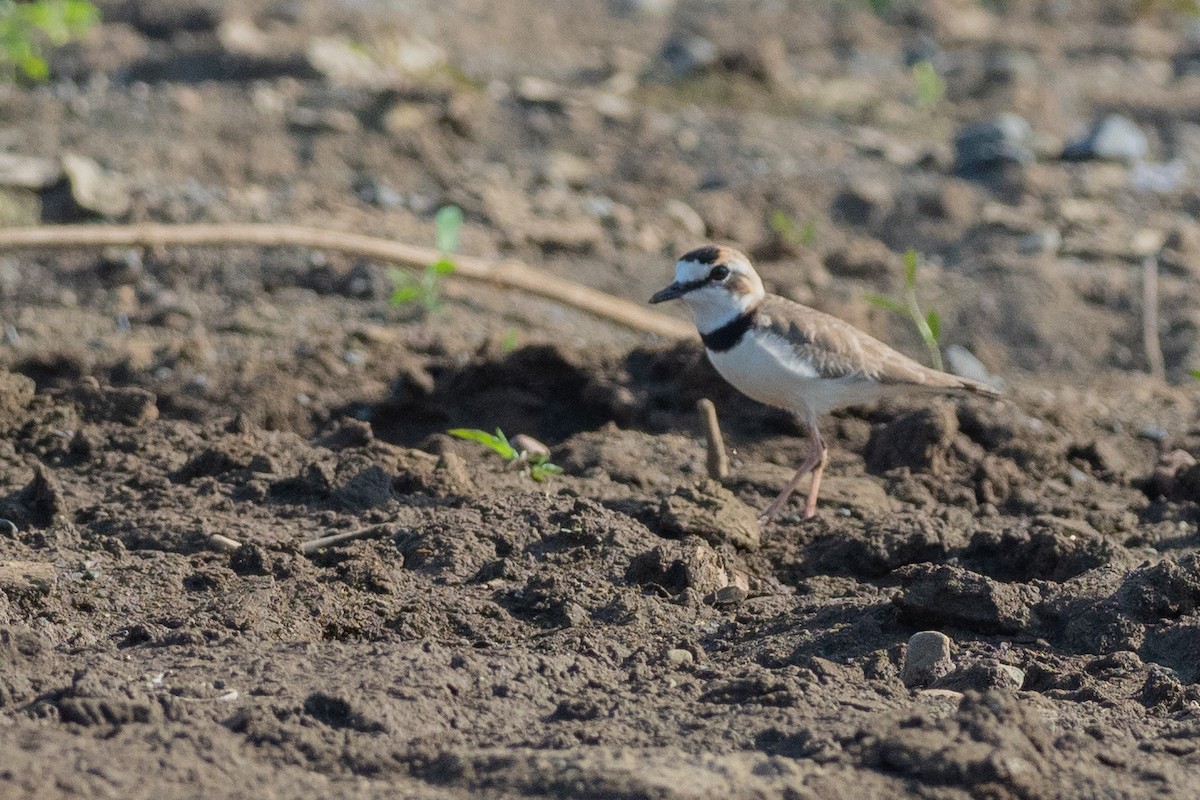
(927, 658)
(1114, 138)
(1004, 139)
(963, 362)
(685, 54)
(678, 657)
(94, 188)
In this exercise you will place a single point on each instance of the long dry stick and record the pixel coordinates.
(510, 274)
(370, 532)
(1150, 341)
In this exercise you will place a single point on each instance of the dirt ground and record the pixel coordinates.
(623, 630)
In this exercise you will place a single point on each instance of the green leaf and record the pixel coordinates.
(443, 266)
(510, 341)
(405, 294)
(808, 235)
(497, 442)
(449, 220)
(935, 324)
(782, 224)
(883, 301)
(1195, 373)
(931, 87)
(910, 267)
(543, 470)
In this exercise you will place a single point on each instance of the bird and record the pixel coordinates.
(790, 356)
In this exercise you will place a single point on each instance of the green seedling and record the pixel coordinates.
(28, 29)
(791, 232)
(537, 464)
(931, 87)
(929, 326)
(427, 289)
(510, 341)
(1195, 373)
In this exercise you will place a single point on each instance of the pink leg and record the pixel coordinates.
(818, 455)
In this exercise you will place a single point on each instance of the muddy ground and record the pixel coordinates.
(591, 635)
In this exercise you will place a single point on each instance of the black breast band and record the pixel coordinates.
(728, 335)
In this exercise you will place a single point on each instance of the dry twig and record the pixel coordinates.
(509, 274)
(313, 545)
(717, 459)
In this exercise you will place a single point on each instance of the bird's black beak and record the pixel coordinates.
(669, 292)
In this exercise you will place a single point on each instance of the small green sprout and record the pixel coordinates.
(929, 326)
(537, 464)
(510, 341)
(931, 87)
(1195, 373)
(28, 29)
(427, 289)
(792, 233)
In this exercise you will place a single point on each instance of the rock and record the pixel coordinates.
(729, 596)
(28, 172)
(95, 189)
(927, 658)
(1003, 140)
(919, 440)
(944, 595)
(1114, 138)
(535, 91)
(385, 64)
(962, 362)
(686, 54)
(1045, 240)
(678, 657)
(711, 512)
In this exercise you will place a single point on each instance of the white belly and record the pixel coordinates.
(767, 369)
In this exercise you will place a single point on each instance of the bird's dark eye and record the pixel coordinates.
(719, 273)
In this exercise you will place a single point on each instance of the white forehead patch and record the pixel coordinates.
(688, 271)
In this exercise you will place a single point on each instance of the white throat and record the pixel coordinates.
(714, 306)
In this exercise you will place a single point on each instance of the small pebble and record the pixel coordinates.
(1006, 138)
(1114, 138)
(1153, 434)
(729, 596)
(927, 658)
(678, 657)
(685, 54)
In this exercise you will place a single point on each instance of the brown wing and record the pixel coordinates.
(837, 349)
